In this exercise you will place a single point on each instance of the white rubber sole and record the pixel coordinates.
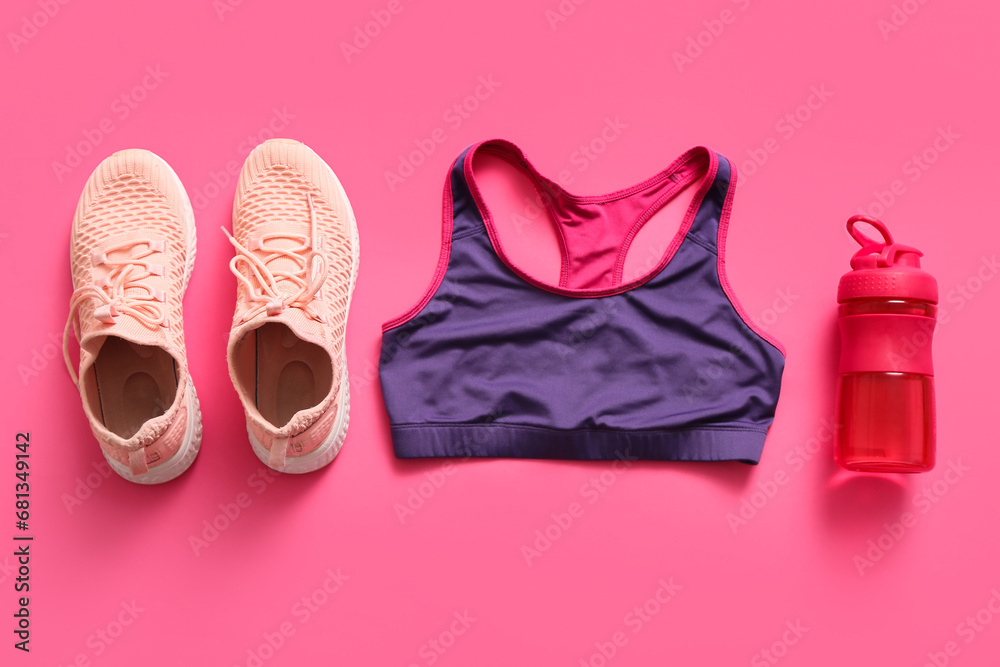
(191, 445)
(328, 450)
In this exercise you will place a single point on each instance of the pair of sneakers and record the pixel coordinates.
(132, 253)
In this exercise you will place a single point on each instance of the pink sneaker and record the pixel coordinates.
(132, 251)
(296, 264)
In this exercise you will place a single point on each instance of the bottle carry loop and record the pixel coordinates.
(887, 249)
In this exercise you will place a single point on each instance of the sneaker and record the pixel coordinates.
(131, 254)
(296, 263)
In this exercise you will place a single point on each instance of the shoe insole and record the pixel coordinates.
(292, 374)
(135, 383)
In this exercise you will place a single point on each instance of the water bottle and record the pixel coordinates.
(885, 394)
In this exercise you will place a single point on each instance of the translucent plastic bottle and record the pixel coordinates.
(885, 393)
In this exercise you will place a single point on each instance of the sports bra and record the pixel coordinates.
(667, 366)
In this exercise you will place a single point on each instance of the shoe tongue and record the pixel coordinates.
(94, 333)
(298, 322)
(140, 335)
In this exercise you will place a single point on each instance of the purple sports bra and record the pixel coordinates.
(674, 371)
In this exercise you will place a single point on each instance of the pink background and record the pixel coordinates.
(103, 545)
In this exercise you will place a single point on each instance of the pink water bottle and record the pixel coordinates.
(885, 394)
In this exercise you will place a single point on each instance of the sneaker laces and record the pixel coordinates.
(121, 292)
(307, 279)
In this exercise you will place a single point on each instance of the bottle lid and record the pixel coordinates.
(884, 269)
